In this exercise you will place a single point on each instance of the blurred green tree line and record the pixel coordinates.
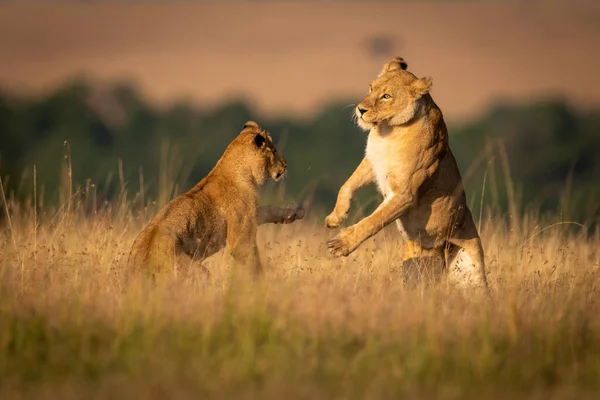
(538, 155)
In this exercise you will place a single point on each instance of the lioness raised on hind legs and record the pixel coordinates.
(409, 158)
(220, 211)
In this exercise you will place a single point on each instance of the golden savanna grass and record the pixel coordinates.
(75, 324)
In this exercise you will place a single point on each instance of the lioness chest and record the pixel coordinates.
(389, 157)
(393, 161)
(384, 157)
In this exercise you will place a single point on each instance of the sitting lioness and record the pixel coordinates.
(409, 158)
(221, 210)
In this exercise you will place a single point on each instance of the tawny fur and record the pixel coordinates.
(220, 211)
(409, 158)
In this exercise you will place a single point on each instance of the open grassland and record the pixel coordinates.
(74, 324)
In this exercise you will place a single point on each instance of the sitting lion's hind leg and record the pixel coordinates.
(162, 260)
(190, 264)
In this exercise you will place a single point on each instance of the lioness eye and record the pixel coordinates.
(386, 96)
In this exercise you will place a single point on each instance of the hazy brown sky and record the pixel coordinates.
(293, 56)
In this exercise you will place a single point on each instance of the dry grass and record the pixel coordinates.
(73, 326)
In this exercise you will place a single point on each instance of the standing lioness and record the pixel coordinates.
(409, 157)
(221, 210)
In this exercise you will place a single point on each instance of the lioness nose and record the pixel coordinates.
(361, 110)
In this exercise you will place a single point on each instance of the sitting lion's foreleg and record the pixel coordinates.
(278, 215)
(350, 238)
(246, 254)
(360, 177)
(241, 245)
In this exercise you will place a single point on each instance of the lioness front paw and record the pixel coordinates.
(343, 244)
(334, 219)
(293, 214)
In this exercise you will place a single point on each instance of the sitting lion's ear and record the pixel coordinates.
(250, 124)
(259, 140)
(395, 64)
(421, 86)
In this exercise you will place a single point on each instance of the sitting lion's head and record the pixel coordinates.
(260, 154)
(395, 97)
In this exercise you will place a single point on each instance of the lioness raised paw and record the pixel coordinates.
(334, 220)
(344, 243)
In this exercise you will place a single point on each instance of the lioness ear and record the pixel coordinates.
(396, 63)
(421, 86)
(250, 124)
(259, 140)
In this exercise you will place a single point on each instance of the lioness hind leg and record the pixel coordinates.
(421, 265)
(466, 269)
(465, 263)
(464, 258)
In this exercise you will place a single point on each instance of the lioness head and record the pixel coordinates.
(395, 97)
(263, 157)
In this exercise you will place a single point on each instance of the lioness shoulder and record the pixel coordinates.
(222, 210)
(409, 158)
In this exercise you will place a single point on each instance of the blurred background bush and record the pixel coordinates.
(145, 98)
